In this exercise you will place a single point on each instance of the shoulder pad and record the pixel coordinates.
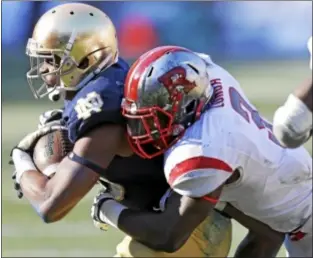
(97, 103)
(195, 169)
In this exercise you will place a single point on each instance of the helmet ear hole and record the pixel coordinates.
(150, 72)
(57, 60)
(193, 68)
(84, 63)
(164, 120)
(191, 106)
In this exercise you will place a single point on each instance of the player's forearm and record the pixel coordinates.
(255, 246)
(161, 231)
(169, 230)
(149, 228)
(52, 198)
(34, 187)
(165, 231)
(33, 184)
(304, 93)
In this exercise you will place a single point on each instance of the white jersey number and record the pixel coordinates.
(86, 106)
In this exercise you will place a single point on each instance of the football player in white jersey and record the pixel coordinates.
(292, 124)
(217, 146)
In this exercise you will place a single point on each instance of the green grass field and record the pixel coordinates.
(25, 235)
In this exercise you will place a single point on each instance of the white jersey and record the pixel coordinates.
(275, 185)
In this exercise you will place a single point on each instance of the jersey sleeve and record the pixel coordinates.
(97, 103)
(195, 171)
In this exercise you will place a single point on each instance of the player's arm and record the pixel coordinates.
(194, 199)
(254, 245)
(169, 230)
(198, 181)
(94, 124)
(261, 240)
(304, 93)
(54, 198)
(292, 123)
(163, 231)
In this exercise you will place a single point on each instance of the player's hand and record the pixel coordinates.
(116, 190)
(53, 115)
(22, 162)
(29, 141)
(21, 154)
(100, 198)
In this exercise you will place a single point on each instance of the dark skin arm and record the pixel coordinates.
(261, 240)
(254, 245)
(304, 93)
(54, 198)
(169, 230)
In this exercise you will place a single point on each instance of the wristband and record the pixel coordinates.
(110, 211)
(22, 162)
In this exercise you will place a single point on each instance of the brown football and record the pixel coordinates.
(50, 150)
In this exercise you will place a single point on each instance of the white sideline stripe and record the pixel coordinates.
(14, 199)
(10, 195)
(62, 230)
(42, 252)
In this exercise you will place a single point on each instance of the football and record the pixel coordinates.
(49, 151)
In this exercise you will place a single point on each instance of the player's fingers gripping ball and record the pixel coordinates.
(41, 150)
(29, 141)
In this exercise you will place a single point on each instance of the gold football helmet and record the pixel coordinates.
(71, 43)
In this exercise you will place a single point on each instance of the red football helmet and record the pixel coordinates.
(165, 91)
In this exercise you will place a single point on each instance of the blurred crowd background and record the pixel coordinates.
(247, 30)
(262, 43)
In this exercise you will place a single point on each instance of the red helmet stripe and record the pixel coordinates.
(137, 69)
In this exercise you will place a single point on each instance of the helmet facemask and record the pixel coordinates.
(68, 73)
(59, 59)
(151, 130)
(75, 42)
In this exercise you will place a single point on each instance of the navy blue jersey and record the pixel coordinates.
(98, 102)
(143, 180)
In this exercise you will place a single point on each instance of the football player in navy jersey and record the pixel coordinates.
(74, 55)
